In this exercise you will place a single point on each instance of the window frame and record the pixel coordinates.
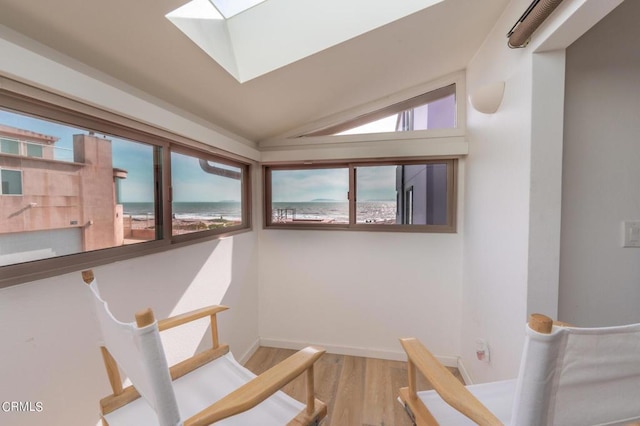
(245, 200)
(267, 207)
(402, 107)
(424, 143)
(452, 195)
(23, 99)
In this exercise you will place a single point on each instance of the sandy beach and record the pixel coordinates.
(179, 226)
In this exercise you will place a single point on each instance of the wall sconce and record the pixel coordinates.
(487, 99)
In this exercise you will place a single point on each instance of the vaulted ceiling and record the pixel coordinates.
(133, 42)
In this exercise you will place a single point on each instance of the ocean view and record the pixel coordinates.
(337, 211)
(229, 210)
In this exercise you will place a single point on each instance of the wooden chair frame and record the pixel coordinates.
(450, 389)
(238, 401)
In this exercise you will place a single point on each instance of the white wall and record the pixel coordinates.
(49, 351)
(49, 347)
(600, 280)
(358, 292)
(497, 208)
(354, 292)
(513, 186)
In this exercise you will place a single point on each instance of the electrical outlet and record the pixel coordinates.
(482, 351)
(631, 233)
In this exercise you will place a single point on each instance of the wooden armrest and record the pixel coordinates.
(257, 390)
(448, 387)
(190, 316)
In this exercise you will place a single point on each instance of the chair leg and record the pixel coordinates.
(409, 413)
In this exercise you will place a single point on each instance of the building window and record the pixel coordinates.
(92, 191)
(9, 146)
(208, 194)
(18, 147)
(407, 203)
(34, 150)
(414, 195)
(11, 182)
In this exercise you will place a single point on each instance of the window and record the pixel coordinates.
(11, 182)
(207, 194)
(34, 150)
(310, 195)
(407, 204)
(9, 146)
(406, 194)
(75, 197)
(92, 191)
(432, 110)
(18, 147)
(415, 195)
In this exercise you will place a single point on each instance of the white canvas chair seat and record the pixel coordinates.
(497, 397)
(199, 389)
(209, 387)
(568, 376)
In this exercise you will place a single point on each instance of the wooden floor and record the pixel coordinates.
(358, 391)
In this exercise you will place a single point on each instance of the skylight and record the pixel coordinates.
(229, 8)
(250, 38)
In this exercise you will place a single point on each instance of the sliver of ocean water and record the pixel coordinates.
(229, 210)
(338, 211)
(366, 211)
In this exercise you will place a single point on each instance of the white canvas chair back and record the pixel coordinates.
(579, 376)
(568, 377)
(208, 387)
(139, 352)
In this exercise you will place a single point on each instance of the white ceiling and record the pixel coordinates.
(133, 41)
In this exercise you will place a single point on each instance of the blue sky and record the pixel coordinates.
(374, 184)
(190, 182)
(309, 184)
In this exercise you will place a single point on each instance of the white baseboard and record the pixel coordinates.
(464, 373)
(449, 361)
(249, 353)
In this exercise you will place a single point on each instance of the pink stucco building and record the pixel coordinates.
(51, 207)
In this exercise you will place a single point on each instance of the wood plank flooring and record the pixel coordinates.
(358, 391)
